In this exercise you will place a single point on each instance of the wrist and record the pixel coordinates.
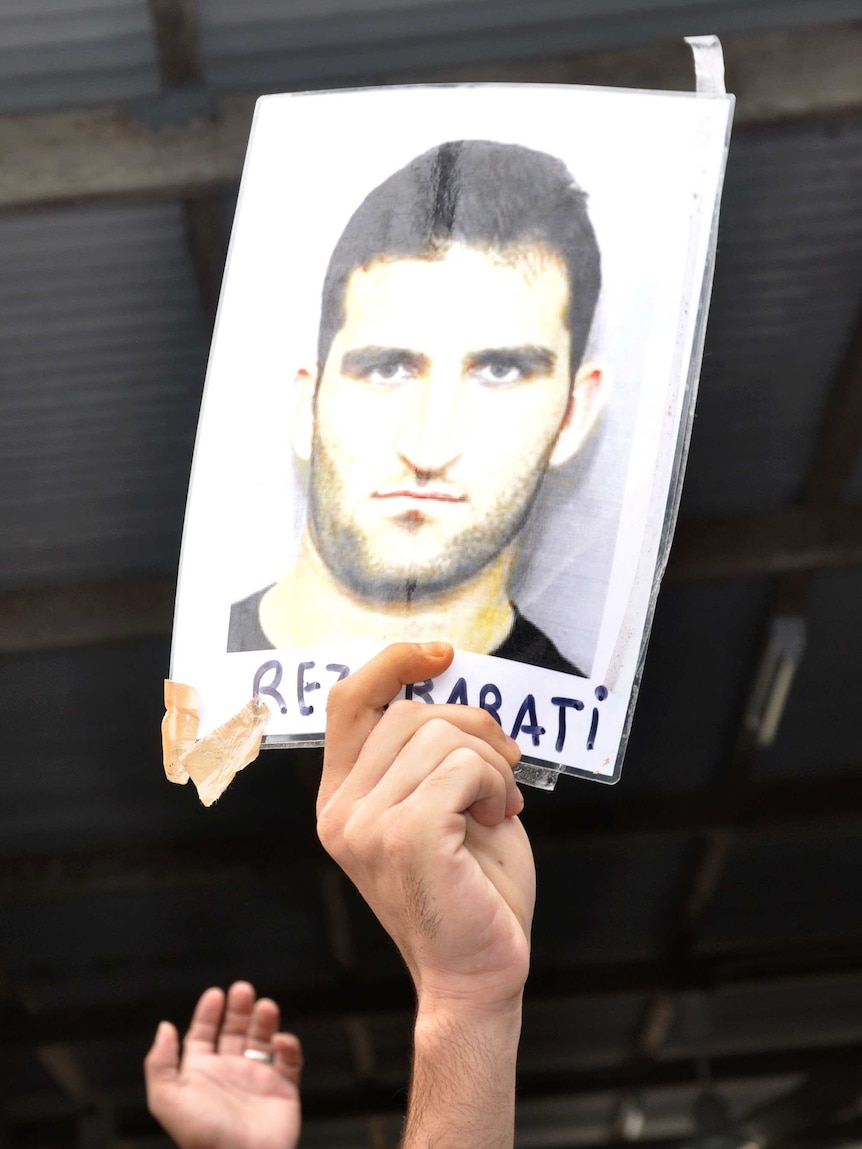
(483, 997)
(441, 1020)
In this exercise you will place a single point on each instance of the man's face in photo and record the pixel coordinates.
(445, 395)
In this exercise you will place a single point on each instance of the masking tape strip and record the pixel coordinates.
(708, 65)
(213, 761)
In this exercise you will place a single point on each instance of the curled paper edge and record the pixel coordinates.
(212, 762)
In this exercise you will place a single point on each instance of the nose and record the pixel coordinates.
(430, 438)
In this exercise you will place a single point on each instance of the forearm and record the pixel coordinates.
(462, 1090)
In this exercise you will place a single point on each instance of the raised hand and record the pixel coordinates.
(417, 806)
(216, 1096)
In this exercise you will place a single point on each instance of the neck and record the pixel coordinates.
(310, 606)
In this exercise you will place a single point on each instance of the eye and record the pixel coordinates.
(496, 373)
(390, 373)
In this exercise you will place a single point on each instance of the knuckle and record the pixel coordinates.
(486, 725)
(456, 762)
(402, 708)
(329, 828)
(435, 731)
(339, 696)
(355, 835)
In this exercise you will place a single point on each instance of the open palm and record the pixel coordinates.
(216, 1096)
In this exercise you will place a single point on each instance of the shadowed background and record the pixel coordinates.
(701, 921)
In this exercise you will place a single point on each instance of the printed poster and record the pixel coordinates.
(448, 398)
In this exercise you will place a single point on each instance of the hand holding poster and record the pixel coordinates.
(448, 399)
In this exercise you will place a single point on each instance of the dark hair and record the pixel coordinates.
(475, 192)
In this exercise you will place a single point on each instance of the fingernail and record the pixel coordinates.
(436, 649)
(512, 742)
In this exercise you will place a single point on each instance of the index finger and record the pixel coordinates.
(356, 705)
(204, 1027)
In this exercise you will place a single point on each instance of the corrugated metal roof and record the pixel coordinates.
(787, 284)
(63, 53)
(608, 901)
(141, 946)
(788, 889)
(747, 1017)
(102, 355)
(102, 358)
(266, 44)
(702, 638)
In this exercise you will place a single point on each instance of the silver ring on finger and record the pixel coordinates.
(258, 1055)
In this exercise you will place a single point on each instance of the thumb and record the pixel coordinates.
(357, 703)
(161, 1065)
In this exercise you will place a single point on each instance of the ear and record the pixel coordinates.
(302, 413)
(582, 414)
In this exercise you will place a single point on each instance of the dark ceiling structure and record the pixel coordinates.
(699, 926)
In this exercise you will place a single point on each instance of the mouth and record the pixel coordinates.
(421, 495)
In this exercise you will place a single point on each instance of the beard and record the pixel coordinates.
(366, 566)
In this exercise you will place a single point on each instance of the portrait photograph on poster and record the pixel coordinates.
(448, 399)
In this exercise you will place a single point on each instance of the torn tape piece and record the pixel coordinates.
(708, 65)
(179, 728)
(214, 762)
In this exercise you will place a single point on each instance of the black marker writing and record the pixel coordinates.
(563, 703)
(272, 689)
(459, 693)
(420, 690)
(489, 691)
(303, 688)
(601, 695)
(528, 710)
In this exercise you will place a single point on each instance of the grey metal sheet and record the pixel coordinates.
(592, 1031)
(65, 53)
(267, 44)
(102, 358)
(614, 900)
(787, 286)
(776, 891)
(152, 946)
(788, 1014)
(589, 1119)
(695, 671)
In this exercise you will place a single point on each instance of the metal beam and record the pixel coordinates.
(770, 542)
(646, 1075)
(389, 1099)
(55, 618)
(841, 431)
(52, 158)
(768, 966)
(175, 26)
(827, 801)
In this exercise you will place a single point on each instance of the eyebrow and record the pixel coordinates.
(358, 363)
(529, 360)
